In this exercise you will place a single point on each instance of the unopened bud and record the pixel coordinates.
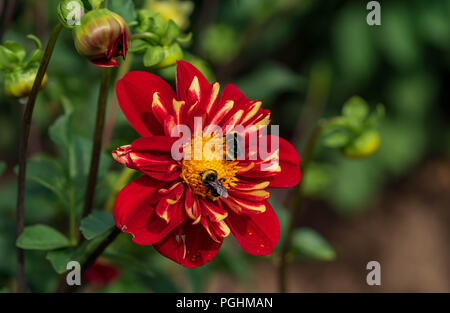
(102, 36)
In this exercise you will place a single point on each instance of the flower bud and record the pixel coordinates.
(70, 12)
(363, 146)
(102, 36)
(18, 84)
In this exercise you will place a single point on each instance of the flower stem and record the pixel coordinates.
(72, 220)
(296, 204)
(26, 125)
(296, 208)
(97, 144)
(112, 111)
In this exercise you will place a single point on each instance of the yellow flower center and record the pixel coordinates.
(206, 154)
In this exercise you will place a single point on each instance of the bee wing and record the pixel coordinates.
(219, 188)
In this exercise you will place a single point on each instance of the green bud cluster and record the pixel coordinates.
(355, 131)
(158, 39)
(19, 70)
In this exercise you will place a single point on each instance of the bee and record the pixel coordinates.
(209, 179)
(233, 146)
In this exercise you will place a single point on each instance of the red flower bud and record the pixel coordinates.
(102, 36)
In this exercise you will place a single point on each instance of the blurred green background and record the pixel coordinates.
(303, 59)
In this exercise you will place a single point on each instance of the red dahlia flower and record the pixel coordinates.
(171, 207)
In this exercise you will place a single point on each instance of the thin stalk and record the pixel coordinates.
(112, 111)
(97, 144)
(295, 211)
(26, 125)
(296, 202)
(72, 220)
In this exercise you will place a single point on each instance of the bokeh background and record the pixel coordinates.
(303, 59)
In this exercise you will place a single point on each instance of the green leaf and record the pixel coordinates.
(8, 59)
(144, 22)
(355, 109)
(153, 56)
(41, 237)
(307, 243)
(185, 38)
(60, 131)
(48, 173)
(81, 165)
(159, 25)
(172, 33)
(97, 223)
(124, 8)
(59, 258)
(15, 48)
(138, 45)
(34, 58)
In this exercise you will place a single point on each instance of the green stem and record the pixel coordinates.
(97, 144)
(72, 220)
(26, 125)
(112, 111)
(296, 209)
(296, 202)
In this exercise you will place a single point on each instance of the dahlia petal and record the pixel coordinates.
(244, 206)
(211, 100)
(212, 209)
(170, 202)
(191, 84)
(282, 173)
(135, 95)
(248, 186)
(219, 115)
(255, 107)
(257, 234)
(252, 195)
(252, 114)
(191, 204)
(189, 246)
(150, 155)
(216, 230)
(232, 92)
(290, 174)
(134, 211)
